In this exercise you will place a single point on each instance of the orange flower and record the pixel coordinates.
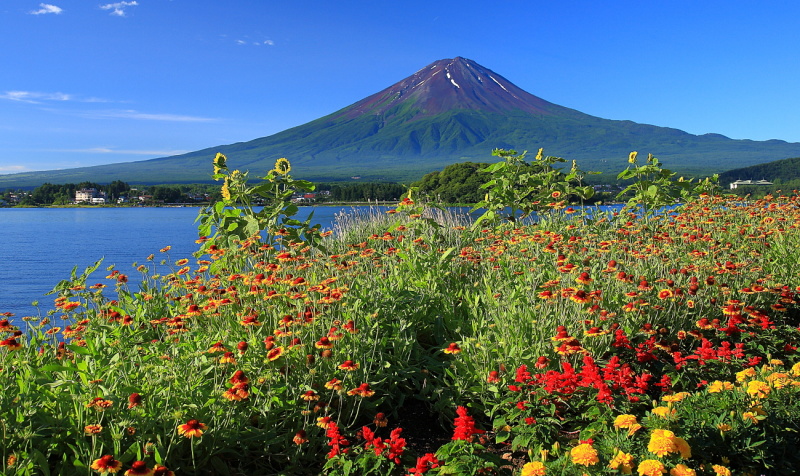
(362, 390)
(191, 429)
(106, 464)
(92, 429)
(275, 353)
(349, 365)
(139, 468)
(453, 348)
(300, 437)
(162, 471)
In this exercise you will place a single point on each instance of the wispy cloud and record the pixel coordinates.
(34, 97)
(13, 169)
(45, 8)
(131, 114)
(110, 150)
(254, 43)
(118, 8)
(37, 97)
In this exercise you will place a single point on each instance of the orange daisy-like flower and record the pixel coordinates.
(325, 422)
(300, 437)
(192, 428)
(453, 348)
(333, 384)
(162, 471)
(227, 358)
(92, 429)
(275, 353)
(362, 390)
(349, 365)
(139, 468)
(106, 464)
(10, 344)
(217, 347)
(324, 343)
(309, 396)
(381, 420)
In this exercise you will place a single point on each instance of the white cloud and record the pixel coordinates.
(269, 42)
(131, 114)
(12, 169)
(35, 97)
(109, 150)
(241, 42)
(46, 8)
(118, 8)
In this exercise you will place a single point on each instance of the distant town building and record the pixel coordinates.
(736, 184)
(89, 195)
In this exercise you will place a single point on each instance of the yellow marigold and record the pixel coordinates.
(675, 398)
(750, 416)
(651, 467)
(683, 448)
(717, 386)
(664, 412)
(622, 462)
(758, 389)
(625, 421)
(662, 442)
(682, 470)
(720, 470)
(743, 375)
(584, 454)
(796, 369)
(534, 468)
(778, 379)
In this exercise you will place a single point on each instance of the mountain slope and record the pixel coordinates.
(782, 170)
(449, 111)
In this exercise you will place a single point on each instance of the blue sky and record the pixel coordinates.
(87, 83)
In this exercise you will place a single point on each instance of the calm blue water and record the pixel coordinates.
(39, 247)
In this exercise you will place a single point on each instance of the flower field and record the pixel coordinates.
(649, 343)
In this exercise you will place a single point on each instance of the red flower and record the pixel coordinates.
(106, 464)
(191, 429)
(139, 468)
(134, 400)
(453, 348)
(465, 426)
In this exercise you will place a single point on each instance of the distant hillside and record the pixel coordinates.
(778, 171)
(453, 110)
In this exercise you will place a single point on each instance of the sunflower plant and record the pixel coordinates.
(518, 188)
(236, 218)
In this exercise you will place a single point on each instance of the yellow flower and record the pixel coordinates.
(720, 470)
(219, 162)
(664, 412)
(750, 416)
(682, 470)
(632, 157)
(622, 462)
(796, 369)
(718, 386)
(282, 166)
(675, 398)
(662, 442)
(723, 427)
(651, 467)
(584, 454)
(226, 191)
(625, 421)
(534, 468)
(758, 389)
(683, 447)
(539, 154)
(741, 376)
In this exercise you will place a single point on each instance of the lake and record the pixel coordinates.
(40, 246)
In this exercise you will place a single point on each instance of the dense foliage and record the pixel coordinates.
(589, 342)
